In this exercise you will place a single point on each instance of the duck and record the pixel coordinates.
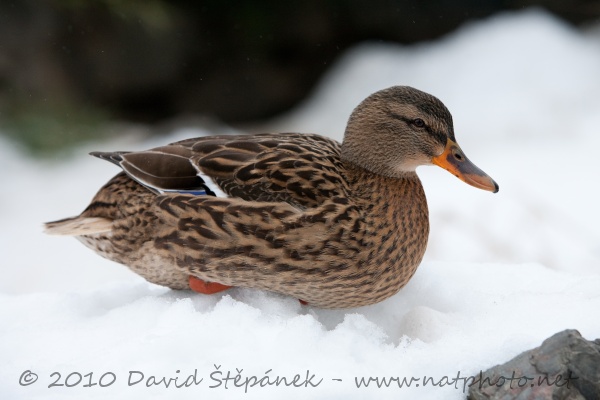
(335, 225)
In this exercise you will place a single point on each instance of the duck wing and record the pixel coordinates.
(300, 169)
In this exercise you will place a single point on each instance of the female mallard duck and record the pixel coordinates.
(334, 225)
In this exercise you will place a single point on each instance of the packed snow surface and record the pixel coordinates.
(502, 272)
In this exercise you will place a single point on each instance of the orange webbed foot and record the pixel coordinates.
(200, 286)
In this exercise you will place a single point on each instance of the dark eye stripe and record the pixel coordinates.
(441, 137)
(410, 121)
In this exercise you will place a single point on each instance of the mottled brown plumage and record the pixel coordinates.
(336, 226)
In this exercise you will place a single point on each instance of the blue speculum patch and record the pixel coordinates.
(195, 192)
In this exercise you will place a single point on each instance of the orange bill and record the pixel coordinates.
(454, 161)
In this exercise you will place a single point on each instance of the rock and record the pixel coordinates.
(565, 366)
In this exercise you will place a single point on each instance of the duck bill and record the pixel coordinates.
(454, 161)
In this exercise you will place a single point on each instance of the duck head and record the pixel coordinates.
(395, 130)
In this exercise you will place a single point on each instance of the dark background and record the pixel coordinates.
(68, 66)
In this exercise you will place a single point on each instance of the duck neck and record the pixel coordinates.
(404, 191)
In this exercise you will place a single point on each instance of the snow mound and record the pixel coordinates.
(464, 316)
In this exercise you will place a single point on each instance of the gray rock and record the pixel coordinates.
(564, 367)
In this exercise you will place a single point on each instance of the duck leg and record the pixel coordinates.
(200, 286)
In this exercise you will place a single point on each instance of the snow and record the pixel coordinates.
(502, 272)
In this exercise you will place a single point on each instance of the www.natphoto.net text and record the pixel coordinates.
(220, 378)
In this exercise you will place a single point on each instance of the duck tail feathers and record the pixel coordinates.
(77, 226)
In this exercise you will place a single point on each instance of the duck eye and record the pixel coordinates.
(418, 122)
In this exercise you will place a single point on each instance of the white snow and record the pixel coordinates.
(502, 272)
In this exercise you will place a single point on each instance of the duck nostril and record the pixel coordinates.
(458, 156)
